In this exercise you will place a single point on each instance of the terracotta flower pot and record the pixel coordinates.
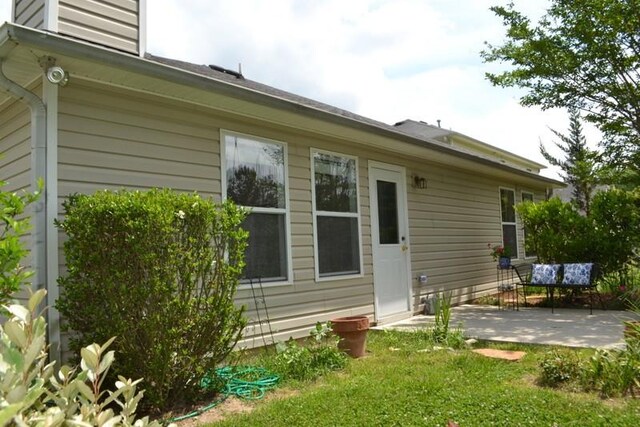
(352, 331)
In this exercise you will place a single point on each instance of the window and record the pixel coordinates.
(336, 215)
(254, 176)
(531, 253)
(508, 211)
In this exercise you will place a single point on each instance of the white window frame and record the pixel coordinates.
(286, 210)
(316, 213)
(524, 236)
(503, 223)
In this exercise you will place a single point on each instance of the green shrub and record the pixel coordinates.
(615, 219)
(559, 367)
(159, 270)
(30, 393)
(12, 251)
(557, 232)
(321, 355)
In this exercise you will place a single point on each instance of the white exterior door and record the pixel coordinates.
(390, 240)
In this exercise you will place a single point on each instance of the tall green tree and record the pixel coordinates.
(580, 164)
(583, 54)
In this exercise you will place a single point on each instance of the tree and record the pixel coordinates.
(582, 54)
(580, 164)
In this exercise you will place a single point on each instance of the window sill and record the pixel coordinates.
(247, 286)
(339, 277)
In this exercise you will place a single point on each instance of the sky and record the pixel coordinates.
(389, 60)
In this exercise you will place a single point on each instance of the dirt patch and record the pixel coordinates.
(234, 406)
(509, 355)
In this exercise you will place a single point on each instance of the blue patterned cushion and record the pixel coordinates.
(544, 274)
(577, 274)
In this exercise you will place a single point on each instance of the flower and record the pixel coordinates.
(499, 251)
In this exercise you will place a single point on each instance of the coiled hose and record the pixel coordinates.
(245, 382)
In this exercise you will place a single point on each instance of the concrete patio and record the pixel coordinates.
(567, 327)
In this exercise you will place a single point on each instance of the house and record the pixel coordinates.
(349, 215)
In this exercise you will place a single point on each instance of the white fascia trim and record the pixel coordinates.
(315, 213)
(286, 211)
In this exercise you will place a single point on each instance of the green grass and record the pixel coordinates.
(405, 387)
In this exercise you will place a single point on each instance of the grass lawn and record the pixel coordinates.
(399, 385)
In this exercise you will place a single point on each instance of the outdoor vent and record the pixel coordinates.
(236, 74)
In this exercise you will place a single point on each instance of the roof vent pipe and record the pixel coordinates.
(438, 122)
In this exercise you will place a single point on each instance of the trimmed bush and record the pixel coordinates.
(159, 270)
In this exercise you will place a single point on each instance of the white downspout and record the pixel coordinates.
(38, 171)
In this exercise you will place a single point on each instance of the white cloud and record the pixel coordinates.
(386, 59)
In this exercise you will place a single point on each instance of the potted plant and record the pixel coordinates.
(502, 254)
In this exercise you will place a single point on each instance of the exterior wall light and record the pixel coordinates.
(419, 182)
(57, 75)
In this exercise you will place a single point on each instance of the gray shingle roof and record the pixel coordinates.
(206, 70)
(418, 132)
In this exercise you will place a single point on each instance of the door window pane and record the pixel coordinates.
(338, 246)
(388, 213)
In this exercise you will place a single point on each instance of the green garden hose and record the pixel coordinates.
(245, 382)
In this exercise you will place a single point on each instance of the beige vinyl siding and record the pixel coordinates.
(113, 23)
(112, 138)
(29, 13)
(15, 155)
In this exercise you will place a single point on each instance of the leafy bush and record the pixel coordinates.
(557, 232)
(559, 367)
(30, 393)
(12, 251)
(615, 219)
(159, 270)
(319, 356)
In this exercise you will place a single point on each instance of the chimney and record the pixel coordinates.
(118, 24)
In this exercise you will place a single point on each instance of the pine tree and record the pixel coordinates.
(580, 166)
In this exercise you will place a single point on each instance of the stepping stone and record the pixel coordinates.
(501, 354)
